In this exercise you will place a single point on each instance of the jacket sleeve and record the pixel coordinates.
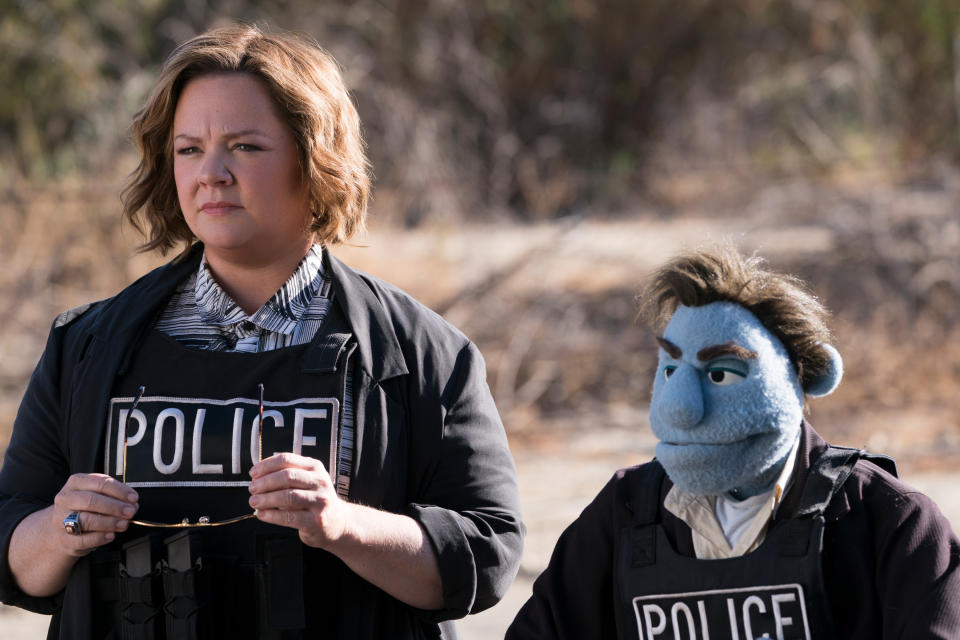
(918, 567)
(573, 598)
(35, 464)
(465, 487)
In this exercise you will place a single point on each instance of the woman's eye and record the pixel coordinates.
(668, 370)
(186, 151)
(723, 377)
(245, 146)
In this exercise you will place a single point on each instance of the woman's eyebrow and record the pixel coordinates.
(673, 350)
(725, 349)
(229, 134)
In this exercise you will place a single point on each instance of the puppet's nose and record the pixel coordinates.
(681, 398)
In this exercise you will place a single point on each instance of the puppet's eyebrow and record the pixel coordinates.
(725, 349)
(673, 350)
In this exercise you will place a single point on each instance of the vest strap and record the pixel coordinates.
(643, 498)
(643, 494)
(137, 590)
(826, 476)
(280, 579)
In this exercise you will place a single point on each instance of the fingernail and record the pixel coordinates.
(129, 511)
(109, 537)
(122, 525)
(254, 501)
(132, 496)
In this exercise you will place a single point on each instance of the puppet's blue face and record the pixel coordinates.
(727, 405)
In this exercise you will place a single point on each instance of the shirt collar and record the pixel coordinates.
(699, 513)
(279, 314)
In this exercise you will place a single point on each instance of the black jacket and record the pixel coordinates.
(891, 563)
(429, 442)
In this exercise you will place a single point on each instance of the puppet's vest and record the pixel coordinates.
(774, 592)
(190, 443)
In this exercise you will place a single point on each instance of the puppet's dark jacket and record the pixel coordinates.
(891, 562)
(429, 441)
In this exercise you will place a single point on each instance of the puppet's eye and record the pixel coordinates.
(723, 375)
(668, 370)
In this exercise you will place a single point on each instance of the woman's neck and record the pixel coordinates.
(250, 283)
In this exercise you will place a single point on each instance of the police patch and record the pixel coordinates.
(204, 442)
(754, 613)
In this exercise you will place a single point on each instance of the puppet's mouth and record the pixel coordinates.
(749, 438)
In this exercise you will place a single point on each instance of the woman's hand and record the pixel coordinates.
(104, 506)
(297, 492)
(42, 553)
(389, 550)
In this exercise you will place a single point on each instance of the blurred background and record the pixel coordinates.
(534, 161)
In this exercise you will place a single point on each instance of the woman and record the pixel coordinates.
(140, 496)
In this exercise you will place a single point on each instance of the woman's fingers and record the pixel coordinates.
(297, 492)
(103, 507)
(97, 493)
(101, 484)
(95, 522)
(281, 461)
(83, 543)
(291, 478)
(94, 503)
(288, 499)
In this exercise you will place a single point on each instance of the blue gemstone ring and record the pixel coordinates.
(71, 524)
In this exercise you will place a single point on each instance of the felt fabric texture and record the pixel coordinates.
(826, 383)
(728, 423)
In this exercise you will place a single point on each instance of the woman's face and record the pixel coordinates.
(236, 166)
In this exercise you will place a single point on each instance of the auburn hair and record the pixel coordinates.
(307, 88)
(781, 302)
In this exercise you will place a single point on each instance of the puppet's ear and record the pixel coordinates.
(825, 383)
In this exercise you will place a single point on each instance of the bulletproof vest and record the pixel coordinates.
(187, 449)
(775, 591)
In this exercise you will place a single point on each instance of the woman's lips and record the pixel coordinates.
(219, 207)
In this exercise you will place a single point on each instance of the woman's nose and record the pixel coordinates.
(214, 170)
(681, 398)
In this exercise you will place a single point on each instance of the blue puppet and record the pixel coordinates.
(747, 524)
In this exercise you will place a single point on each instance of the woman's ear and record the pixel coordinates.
(826, 382)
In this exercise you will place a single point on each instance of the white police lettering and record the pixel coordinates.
(235, 441)
(654, 629)
(299, 440)
(137, 436)
(674, 611)
(277, 419)
(753, 601)
(754, 613)
(225, 439)
(174, 465)
(779, 619)
(200, 468)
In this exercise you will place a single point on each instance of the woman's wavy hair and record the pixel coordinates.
(782, 303)
(308, 90)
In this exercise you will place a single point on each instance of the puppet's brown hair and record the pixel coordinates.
(782, 303)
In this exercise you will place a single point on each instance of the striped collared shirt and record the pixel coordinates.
(201, 315)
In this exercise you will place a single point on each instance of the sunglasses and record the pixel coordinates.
(202, 521)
